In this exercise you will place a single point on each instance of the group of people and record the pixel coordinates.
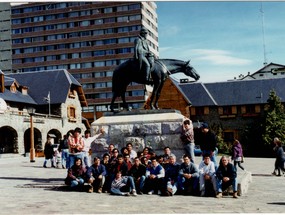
(131, 174)
(126, 172)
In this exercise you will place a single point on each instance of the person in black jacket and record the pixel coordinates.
(138, 171)
(226, 175)
(49, 153)
(208, 143)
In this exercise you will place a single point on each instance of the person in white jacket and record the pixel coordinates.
(207, 173)
(87, 145)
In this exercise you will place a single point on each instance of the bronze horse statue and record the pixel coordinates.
(127, 72)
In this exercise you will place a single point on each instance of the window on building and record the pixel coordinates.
(124, 40)
(99, 53)
(110, 52)
(73, 14)
(123, 19)
(108, 10)
(227, 110)
(98, 21)
(86, 54)
(98, 32)
(110, 20)
(86, 65)
(71, 113)
(99, 63)
(122, 8)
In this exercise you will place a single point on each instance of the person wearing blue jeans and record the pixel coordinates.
(187, 137)
(138, 171)
(76, 145)
(226, 176)
(123, 185)
(76, 174)
(188, 177)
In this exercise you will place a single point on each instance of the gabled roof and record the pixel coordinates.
(17, 96)
(269, 67)
(57, 82)
(232, 92)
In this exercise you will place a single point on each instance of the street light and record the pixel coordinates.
(31, 112)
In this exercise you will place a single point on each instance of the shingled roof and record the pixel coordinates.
(57, 82)
(232, 92)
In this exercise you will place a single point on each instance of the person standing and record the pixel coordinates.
(208, 143)
(63, 148)
(76, 145)
(187, 137)
(237, 154)
(87, 145)
(49, 152)
(280, 158)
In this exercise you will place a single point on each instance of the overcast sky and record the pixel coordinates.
(222, 39)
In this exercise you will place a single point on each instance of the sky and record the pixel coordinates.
(222, 39)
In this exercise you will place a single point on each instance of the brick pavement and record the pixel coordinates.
(26, 188)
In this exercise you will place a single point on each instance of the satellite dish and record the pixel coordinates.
(3, 105)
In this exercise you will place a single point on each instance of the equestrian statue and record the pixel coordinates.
(145, 69)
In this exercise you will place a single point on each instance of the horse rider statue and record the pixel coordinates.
(143, 55)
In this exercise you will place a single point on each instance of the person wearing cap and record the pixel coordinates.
(208, 143)
(87, 145)
(187, 137)
(76, 145)
(142, 52)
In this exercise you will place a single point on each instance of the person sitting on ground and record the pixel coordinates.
(76, 175)
(207, 176)
(138, 171)
(154, 177)
(132, 152)
(113, 158)
(96, 176)
(108, 168)
(124, 151)
(171, 176)
(188, 177)
(167, 154)
(226, 176)
(123, 185)
(110, 149)
(127, 160)
(120, 165)
(49, 152)
(146, 152)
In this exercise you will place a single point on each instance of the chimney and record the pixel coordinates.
(2, 86)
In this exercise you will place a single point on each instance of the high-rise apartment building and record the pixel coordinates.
(89, 39)
(5, 38)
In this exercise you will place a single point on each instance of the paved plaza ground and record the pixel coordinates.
(28, 188)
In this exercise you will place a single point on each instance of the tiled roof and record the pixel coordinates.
(57, 82)
(232, 92)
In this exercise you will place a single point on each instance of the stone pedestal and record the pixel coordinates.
(152, 128)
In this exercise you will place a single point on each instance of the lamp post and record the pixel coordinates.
(31, 112)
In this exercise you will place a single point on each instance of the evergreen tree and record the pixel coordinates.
(274, 123)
